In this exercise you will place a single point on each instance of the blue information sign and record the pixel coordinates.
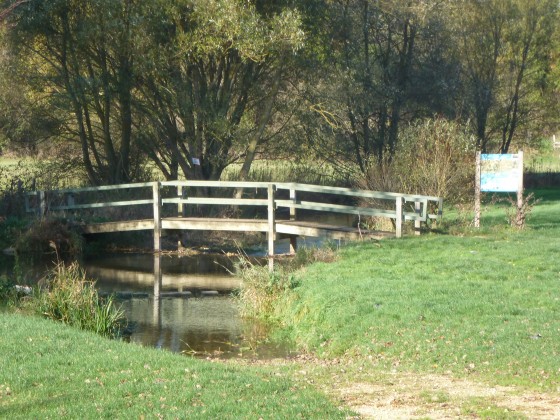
(500, 172)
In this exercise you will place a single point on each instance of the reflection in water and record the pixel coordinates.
(182, 304)
(208, 325)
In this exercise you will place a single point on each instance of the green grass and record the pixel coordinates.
(288, 171)
(548, 161)
(485, 304)
(48, 370)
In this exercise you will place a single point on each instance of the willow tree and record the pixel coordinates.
(83, 53)
(188, 84)
(211, 80)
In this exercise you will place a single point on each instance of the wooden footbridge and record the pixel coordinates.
(169, 206)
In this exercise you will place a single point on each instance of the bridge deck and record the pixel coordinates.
(283, 227)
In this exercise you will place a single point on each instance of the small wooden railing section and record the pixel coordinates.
(265, 195)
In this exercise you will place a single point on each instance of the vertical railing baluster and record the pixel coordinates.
(180, 206)
(293, 215)
(399, 217)
(418, 214)
(293, 198)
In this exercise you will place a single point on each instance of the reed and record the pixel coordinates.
(71, 298)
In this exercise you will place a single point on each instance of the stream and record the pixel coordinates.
(187, 307)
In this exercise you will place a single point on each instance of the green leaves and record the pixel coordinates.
(219, 27)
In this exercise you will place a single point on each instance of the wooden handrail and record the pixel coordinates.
(293, 203)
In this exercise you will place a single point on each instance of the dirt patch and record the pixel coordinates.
(402, 395)
(405, 395)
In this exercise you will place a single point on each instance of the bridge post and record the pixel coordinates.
(417, 222)
(293, 238)
(399, 219)
(157, 215)
(180, 206)
(181, 212)
(157, 315)
(70, 200)
(293, 198)
(42, 204)
(271, 226)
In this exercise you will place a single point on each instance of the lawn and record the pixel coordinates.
(48, 370)
(484, 304)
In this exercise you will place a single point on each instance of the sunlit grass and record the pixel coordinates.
(543, 162)
(486, 303)
(288, 171)
(48, 370)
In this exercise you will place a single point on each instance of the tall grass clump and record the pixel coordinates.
(71, 298)
(261, 289)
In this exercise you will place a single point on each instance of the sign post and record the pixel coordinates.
(498, 173)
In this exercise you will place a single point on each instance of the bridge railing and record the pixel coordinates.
(293, 196)
(421, 208)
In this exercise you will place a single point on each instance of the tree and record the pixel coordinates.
(26, 119)
(390, 65)
(84, 52)
(505, 47)
(208, 91)
(189, 84)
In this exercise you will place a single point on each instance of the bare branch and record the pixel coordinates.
(6, 12)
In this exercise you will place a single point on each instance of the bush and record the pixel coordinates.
(10, 229)
(8, 291)
(71, 298)
(50, 235)
(433, 157)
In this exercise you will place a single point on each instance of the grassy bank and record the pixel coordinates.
(48, 370)
(485, 304)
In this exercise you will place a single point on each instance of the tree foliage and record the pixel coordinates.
(210, 88)
(506, 60)
(191, 86)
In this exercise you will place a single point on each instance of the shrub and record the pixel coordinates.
(433, 157)
(50, 235)
(10, 229)
(71, 298)
(8, 291)
(518, 213)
